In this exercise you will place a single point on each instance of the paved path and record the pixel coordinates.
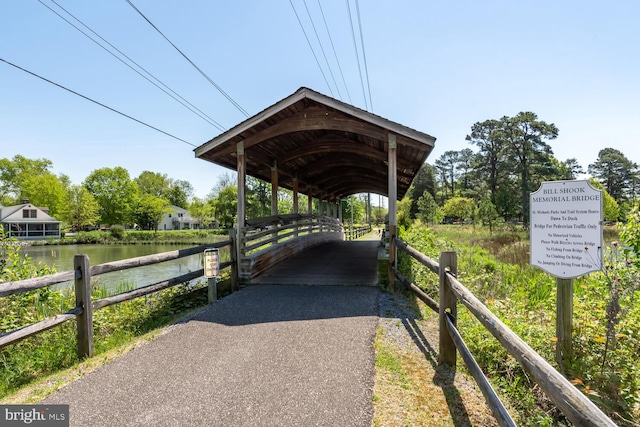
(333, 263)
(264, 356)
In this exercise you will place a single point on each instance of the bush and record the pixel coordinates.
(117, 231)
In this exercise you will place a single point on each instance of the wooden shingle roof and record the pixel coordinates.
(332, 147)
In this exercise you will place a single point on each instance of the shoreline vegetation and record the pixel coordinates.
(118, 235)
(494, 265)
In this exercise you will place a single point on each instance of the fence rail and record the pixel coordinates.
(566, 397)
(84, 308)
(353, 233)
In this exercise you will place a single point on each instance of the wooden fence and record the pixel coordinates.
(572, 402)
(353, 233)
(266, 241)
(84, 307)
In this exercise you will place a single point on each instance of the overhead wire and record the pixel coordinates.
(311, 47)
(355, 45)
(95, 102)
(364, 56)
(321, 48)
(335, 54)
(225, 94)
(175, 95)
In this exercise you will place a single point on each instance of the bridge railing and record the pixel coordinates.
(84, 305)
(264, 242)
(352, 233)
(568, 399)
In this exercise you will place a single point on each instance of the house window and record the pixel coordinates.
(29, 213)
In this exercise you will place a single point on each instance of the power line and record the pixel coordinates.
(235, 104)
(311, 47)
(335, 54)
(364, 56)
(95, 102)
(190, 106)
(355, 45)
(321, 48)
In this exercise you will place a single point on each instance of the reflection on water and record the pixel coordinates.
(61, 257)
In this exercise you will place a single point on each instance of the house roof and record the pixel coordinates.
(331, 147)
(14, 214)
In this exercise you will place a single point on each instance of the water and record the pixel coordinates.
(61, 257)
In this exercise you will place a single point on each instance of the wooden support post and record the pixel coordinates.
(447, 348)
(393, 196)
(274, 189)
(242, 200)
(83, 299)
(295, 205)
(233, 250)
(564, 321)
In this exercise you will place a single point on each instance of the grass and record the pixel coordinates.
(495, 267)
(29, 360)
(410, 388)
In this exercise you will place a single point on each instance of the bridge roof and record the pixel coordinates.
(331, 147)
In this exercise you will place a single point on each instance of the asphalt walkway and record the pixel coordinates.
(268, 355)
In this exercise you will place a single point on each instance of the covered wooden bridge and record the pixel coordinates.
(326, 149)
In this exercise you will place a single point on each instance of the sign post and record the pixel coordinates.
(211, 271)
(566, 242)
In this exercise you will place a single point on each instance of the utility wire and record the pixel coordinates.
(184, 102)
(311, 47)
(355, 45)
(235, 104)
(364, 57)
(322, 49)
(335, 54)
(95, 102)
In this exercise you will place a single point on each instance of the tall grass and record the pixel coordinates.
(496, 269)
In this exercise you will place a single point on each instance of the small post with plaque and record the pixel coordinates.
(566, 242)
(211, 271)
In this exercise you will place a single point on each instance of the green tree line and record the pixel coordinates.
(512, 157)
(110, 196)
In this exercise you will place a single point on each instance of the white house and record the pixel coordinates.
(27, 221)
(178, 219)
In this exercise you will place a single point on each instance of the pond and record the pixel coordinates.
(61, 257)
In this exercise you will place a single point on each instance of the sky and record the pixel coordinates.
(435, 66)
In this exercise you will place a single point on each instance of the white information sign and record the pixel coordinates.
(211, 263)
(566, 228)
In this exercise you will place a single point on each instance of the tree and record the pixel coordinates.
(611, 209)
(459, 207)
(13, 173)
(446, 164)
(573, 168)
(489, 139)
(258, 197)
(44, 190)
(80, 209)
(488, 213)
(428, 209)
(465, 165)
(615, 172)
(202, 211)
(525, 137)
(425, 181)
(115, 192)
(148, 211)
(180, 192)
(226, 206)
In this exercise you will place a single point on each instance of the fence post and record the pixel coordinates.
(564, 322)
(84, 320)
(233, 252)
(447, 351)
